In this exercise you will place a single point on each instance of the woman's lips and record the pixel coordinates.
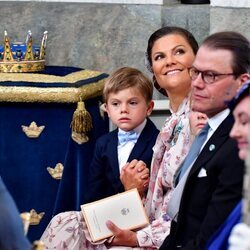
(242, 144)
(172, 72)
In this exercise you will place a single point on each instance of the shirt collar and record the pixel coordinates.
(138, 129)
(215, 121)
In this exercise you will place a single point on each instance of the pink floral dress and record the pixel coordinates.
(68, 230)
(171, 147)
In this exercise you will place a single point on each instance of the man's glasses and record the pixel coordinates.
(207, 76)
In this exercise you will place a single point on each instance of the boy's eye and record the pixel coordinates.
(114, 103)
(133, 102)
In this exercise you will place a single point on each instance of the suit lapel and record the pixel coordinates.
(217, 139)
(112, 153)
(142, 142)
(212, 145)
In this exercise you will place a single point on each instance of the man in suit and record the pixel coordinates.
(213, 185)
(11, 226)
(128, 101)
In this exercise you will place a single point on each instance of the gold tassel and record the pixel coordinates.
(81, 124)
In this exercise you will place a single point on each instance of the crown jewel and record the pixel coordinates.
(20, 57)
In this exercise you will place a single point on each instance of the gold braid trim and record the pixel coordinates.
(47, 95)
(30, 77)
(50, 94)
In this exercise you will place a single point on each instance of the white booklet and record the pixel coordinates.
(125, 210)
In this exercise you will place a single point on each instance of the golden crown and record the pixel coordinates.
(20, 57)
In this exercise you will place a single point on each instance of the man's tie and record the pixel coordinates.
(124, 137)
(193, 152)
(174, 202)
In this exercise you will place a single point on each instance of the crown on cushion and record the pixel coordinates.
(22, 57)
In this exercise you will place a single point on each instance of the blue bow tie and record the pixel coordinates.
(124, 137)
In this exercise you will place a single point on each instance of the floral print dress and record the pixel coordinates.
(68, 230)
(171, 147)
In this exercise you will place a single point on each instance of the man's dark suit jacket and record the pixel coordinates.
(104, 175)
(207, 201)
(11, 227)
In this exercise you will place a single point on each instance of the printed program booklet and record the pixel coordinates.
(125, 210)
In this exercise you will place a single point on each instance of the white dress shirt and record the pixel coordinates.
(124, 150)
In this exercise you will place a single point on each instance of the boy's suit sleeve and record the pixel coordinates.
(103, 178)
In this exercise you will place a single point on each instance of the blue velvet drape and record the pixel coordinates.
(24, 161)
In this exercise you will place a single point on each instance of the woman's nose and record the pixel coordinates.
(234, 133)
(169, 59)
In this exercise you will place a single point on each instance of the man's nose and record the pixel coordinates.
(198, 82)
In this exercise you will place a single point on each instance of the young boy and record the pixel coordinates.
(128, 101)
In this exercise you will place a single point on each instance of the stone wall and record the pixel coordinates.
(94, 36)
(107, 36)
(103, 37)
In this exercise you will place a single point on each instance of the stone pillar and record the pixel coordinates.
(230, 15)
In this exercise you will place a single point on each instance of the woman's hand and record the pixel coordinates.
(122, 237)
(135, 175)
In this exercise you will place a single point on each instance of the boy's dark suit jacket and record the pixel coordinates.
(212, 190)
(104, 175)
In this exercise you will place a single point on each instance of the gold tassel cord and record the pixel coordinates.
(81, 123)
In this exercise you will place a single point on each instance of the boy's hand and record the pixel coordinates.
(135, 175)
(122, 237)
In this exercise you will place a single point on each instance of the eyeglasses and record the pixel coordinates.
(207, 76)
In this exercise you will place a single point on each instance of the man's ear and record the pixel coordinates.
(243, 78)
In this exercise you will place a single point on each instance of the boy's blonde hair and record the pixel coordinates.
(127, 77)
